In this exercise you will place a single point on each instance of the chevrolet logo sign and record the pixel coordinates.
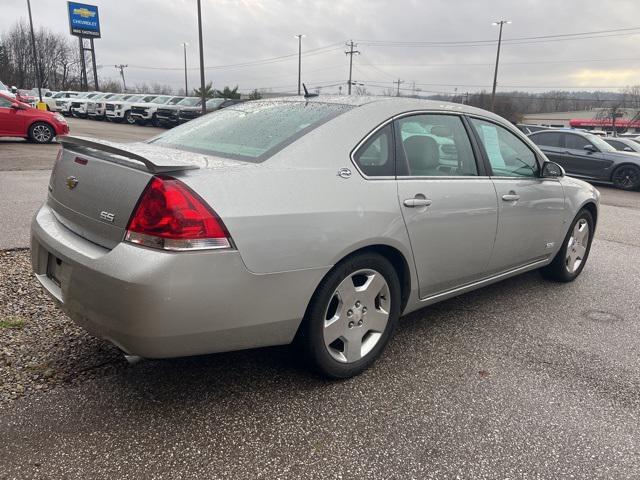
(84, 12)
(71, 182)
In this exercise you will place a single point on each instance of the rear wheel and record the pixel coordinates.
(41, 132)
(626, 177)
(572, 257)
(154, 121)
(352, 316)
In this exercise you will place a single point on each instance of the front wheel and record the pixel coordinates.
(41, 132)
(128, 118)
(572, 257)
(626, 177)
(352, 316)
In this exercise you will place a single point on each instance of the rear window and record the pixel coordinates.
(252, 131)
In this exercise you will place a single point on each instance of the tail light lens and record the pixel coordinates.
(171, 216)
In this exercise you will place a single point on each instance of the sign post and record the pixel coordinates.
(84, 23)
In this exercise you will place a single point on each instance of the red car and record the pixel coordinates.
(18, 119)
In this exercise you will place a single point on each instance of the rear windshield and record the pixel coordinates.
(251, 131)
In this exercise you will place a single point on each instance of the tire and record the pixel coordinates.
(41, 132)
(141, 122)
(572, 257)
(128, 118)
(626, 177)
(154, 121)
(361, 296)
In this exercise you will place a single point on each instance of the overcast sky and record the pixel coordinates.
(148, 33)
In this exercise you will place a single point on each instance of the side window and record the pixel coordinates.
(435, 145)
(375, 156)
(576, 142)
(548, 139)
(508, 155)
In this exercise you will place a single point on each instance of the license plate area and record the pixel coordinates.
(54, 269)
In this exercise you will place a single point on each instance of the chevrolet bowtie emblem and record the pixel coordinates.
(71, 182)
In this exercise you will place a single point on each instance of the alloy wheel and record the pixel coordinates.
(577, 246)
(626, 177)
(356, 316)
(41, 133)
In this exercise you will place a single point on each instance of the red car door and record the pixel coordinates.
(12, 121)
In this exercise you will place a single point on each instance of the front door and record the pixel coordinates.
(531, 209)
(449, 206)
(11, 120)
(588, 163)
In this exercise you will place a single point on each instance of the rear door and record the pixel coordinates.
(447, 201)
(531, 208)
(552, 144)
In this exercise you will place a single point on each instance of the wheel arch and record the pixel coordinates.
(624, 164)
(40, 120)
(591, 207)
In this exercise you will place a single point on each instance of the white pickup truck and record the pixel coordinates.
(52, 101)
(79, 106)
(146, 112)
(120, 110)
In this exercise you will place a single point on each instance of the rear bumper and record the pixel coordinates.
(160, 304)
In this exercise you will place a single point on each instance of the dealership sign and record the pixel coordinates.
(84, 20)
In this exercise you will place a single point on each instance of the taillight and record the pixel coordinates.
(171, 216)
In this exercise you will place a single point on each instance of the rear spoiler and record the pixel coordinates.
(156, 163)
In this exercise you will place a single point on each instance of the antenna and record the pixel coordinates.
(306, 92)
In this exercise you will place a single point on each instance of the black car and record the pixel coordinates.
(588, 156)
(189, 113)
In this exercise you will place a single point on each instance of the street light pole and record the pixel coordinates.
(35, 53)
(186, 87)
(299, 36)
(495, 73)
(202, 93)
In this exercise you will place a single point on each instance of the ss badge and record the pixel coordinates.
(107, 216)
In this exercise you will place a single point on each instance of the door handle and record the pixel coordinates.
(511, 197)
(417, 202)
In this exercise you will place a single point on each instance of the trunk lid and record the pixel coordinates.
(95, 185)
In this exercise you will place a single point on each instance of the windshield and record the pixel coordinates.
(175, 100)
(252, 131)
(600, 143)
(59, 95)
(215, 102)
(3, 86)
(190, 102)
(133, 98)
(82, 95)
(162, 100)
(117, 98)
(148, 98)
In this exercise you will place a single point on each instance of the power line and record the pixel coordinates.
(264, 61)
(566, 36)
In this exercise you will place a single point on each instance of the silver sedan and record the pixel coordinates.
(319, 221)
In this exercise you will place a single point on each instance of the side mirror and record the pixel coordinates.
(590, 148)
(552, 170)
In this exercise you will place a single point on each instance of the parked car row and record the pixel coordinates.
(143, 109)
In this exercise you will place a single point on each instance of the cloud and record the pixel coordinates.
(148, 33)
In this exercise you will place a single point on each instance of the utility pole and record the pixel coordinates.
(186, 87)
(35, 54)
(202, 93)
(351, 53)
(121, 68)
(501, 23)
(398, 82)
(299, 36)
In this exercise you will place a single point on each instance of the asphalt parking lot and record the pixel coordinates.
(522, 379)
